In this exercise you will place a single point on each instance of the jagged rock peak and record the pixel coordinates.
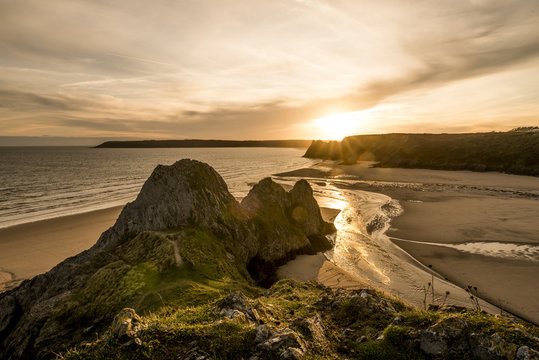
(286, 223)
(188, 192)
(306, 210)
(269, 199)
(266, 193)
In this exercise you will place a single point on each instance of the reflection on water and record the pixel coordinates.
(510, 251)
(357, 249)
(503, 250)
(329, 196)
(362, 248)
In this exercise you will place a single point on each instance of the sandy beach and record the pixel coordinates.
(476, 229)
(318, 268)
(30, 249)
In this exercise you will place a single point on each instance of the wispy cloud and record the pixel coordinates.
(264, 69)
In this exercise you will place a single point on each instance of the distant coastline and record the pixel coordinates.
(198, 143)
(513, 152)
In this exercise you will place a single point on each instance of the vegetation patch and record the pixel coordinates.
(330, 325)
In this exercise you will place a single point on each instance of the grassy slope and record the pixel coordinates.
(145, 276)
(511, 152)
(178, 301)
(174, 330)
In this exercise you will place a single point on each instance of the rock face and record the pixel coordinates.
(127, 324)
(187, 193)
(509, 152)
(184, 218)
(278, 215)
(235, 305)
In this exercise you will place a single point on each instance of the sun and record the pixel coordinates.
(337, 126)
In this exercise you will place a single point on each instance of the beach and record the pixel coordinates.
(30, 249)
(475, 229)
(505, 275)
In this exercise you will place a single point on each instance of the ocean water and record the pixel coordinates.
(38, 183)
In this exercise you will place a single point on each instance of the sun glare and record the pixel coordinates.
(337, 126)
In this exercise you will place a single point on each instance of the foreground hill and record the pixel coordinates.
(196, 143)
(185, 239)
(515, 152)
(179, 275)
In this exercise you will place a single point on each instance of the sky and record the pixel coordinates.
(273, 69)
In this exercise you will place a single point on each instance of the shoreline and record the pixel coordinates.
(443, 209)
(68, 212)
(32, 248)
(62, 213)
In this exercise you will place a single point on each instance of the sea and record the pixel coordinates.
(38, 183)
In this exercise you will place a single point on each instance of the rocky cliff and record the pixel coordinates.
(185, 238)
(511, 152)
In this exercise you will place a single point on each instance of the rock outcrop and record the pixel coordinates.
(276, 215)
(126, 325)
(187, 193)
(184, 224)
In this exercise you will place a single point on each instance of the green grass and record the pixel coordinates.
(420, 318)
(206, 273)
(391, 347)
(382, 350)
(172, 330)
(178, 304)
(515, 332)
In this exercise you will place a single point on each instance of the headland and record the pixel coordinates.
(190, 259)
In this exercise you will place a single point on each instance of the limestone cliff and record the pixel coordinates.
(183, 233)
(276, 215)
(513, 152)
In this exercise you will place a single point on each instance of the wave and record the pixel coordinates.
(502, 250)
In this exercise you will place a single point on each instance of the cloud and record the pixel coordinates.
(232, 70)
(491, 37)
(28, 101)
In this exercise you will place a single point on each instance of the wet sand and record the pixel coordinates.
(317, 268)
(446, 208)
(511, 284)
(30, 249)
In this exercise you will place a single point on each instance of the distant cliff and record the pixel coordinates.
(515, 152)
(196, 143)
